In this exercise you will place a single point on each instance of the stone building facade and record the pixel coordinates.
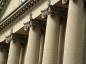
(42, 32)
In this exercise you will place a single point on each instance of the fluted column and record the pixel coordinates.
(3, 53)
(22, 54)
(61, 42)
(73, 39)
(51, 39)
(14, 51)
(41, 48)
(33, 47)
(84, 38)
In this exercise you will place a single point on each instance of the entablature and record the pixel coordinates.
(25, 10)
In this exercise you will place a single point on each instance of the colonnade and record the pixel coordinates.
(61, 42)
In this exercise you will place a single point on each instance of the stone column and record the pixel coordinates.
(61, 42)
(41, 48)
(3, 53)
(73, 38)
(14, 51)
(84, 39)
(22, 53)
(33, 47)
(51, 39)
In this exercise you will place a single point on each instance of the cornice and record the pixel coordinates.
(17, 13)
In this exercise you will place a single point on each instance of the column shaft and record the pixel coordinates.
(84, 38)
(51, 40)
(14, 52)
(33, 47)
(41, 48)
(61, 42)
(22, 54)
(73, 39)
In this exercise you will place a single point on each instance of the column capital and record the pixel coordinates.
(14, 37)
(33, 23)
(36, 23)
(8, 38)
(44, 14)
(53, 11)
(26, 26)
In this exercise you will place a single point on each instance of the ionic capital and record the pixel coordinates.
(26, 26)
(48, 11)
(33, 23)
(44, 14)
(16, 38)
(12, 37)
(36, 23)
(53, 10)
(8, 38)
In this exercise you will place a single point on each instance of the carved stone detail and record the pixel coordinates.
(14, 38)
(32, 23)
(26, 26)
(17, 13)
(65, 1)
(50, 10)
(53, 10)
(44, 14)
(9, 38)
